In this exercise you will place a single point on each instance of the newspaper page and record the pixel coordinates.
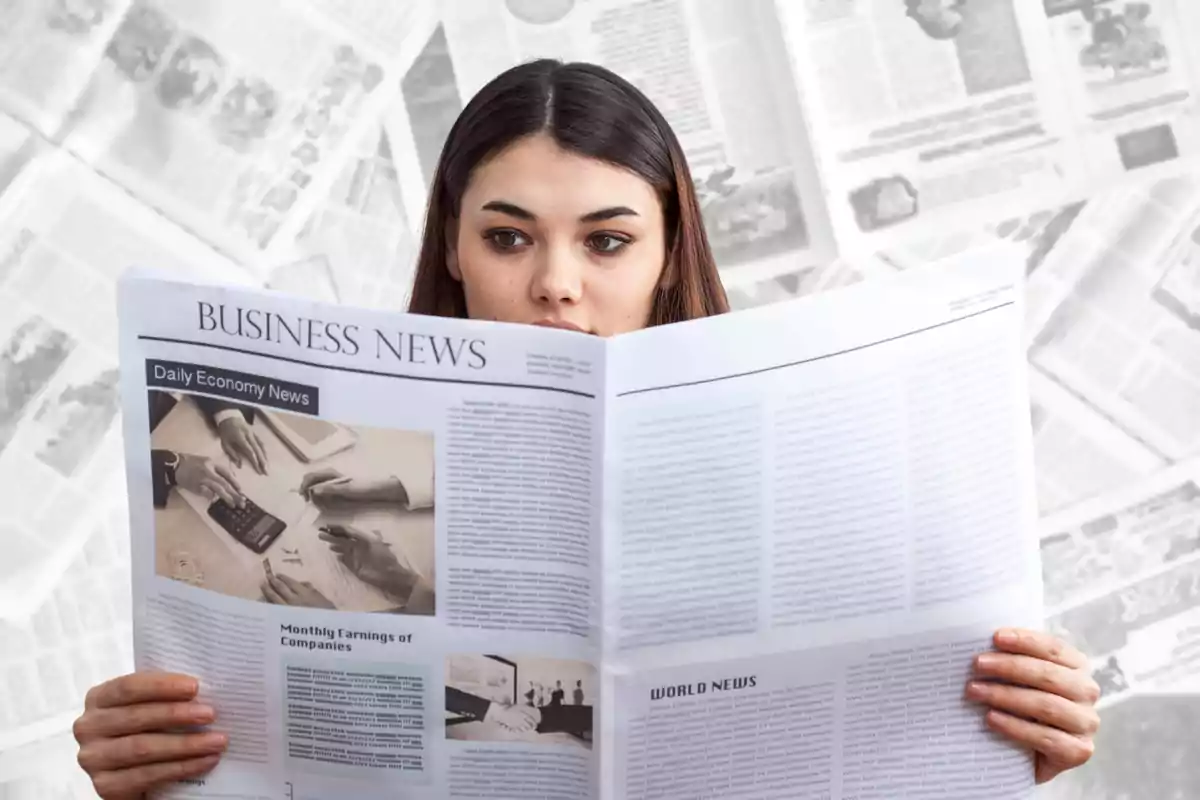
(744, 294)
(1122, 576)
(815, 515)
(234, 134)
(1126, 336)
(395, 590)
(1129, 74)
(1122, 579)
(78, 637)
(927, 114)
(1078, 453)
(720, 74)
(65, 236)
(358, 245)
(48, 53)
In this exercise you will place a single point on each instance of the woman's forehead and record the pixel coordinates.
(543, 178)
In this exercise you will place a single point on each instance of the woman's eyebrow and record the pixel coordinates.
(608, 213)
(512, 209)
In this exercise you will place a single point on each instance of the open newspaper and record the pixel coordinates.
(750, 556)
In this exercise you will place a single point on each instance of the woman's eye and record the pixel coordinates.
(506, 239)
(607, 243)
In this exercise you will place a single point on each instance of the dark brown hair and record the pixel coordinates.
(593, 112)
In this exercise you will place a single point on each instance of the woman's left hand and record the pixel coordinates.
(1046, 701)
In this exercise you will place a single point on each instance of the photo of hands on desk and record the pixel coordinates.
(292, 510)
(519, 699)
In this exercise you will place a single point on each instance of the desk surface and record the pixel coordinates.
(190, 547)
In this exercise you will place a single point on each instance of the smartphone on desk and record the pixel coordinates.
(251, 525)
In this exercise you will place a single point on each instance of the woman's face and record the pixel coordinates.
(552, 238)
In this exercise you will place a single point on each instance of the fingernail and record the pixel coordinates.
(985, 660)
(1006, 636)
(976, 690)
(203, 714)
(214, 741)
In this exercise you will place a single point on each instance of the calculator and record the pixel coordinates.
(250, 525)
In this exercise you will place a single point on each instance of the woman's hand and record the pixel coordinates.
(131, 736)
(1049, 706)
(205, 477)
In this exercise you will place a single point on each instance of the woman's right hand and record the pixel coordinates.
(131, 739)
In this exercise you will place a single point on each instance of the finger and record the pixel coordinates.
(149, 748)
(231, 453)
(1048, 709)
(109, 723)
(1057, 746)
(142, 687)
(222, 490)
(1038, 674)
(1039, 644)
(260, 453)
(137, 781)
(272, 594)
(229, 476)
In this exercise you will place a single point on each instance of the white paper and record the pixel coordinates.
(834, 494)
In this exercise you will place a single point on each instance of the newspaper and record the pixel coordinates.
(1078, 453)
(1123, 336)
(358, 245)
(494, 559)
(233, 134)
(79, 636)
(65, 236)
(950, 108)
(1122, 576)
(1130, 71)
(745, 294)
(48, 52)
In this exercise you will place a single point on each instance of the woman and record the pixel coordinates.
(563, 199)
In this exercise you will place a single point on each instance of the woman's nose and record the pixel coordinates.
(559, 279)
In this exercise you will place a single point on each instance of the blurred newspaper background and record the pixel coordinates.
(288, 144)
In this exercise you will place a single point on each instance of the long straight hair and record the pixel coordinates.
(593, 112)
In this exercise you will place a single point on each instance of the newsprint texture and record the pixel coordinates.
(289, 145)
